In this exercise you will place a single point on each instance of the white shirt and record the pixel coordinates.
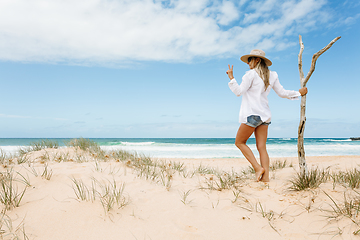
(254, 101)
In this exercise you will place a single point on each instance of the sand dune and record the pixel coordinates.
(172, 204)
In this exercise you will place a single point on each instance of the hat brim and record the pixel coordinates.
(245, 59)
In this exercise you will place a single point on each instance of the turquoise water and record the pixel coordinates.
(205, 147)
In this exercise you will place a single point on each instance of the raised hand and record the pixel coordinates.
(230, 72)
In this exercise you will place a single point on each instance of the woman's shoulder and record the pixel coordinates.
(273, 74)
(250, 72)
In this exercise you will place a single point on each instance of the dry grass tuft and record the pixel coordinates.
(311, 180)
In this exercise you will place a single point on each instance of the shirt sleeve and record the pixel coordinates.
(281, 92)
(239, 90)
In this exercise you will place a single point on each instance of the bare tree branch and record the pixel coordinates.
(315, 57)
(300, 61)
(303, 82)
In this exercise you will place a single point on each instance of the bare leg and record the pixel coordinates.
(261, 137)
(242, 136)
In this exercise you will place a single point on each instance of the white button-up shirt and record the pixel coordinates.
(255, 101)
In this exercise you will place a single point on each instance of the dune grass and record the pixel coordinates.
(185, 197)
(39, 145)
(111, 193)
(268, 215)
(82, 192)
(313, 179)
(10, 196)
(3, 158)
(349, 178)
(84, 144)
(7, 231)
(278, 164)
(348, 207)
(47, 173)
(222, 180)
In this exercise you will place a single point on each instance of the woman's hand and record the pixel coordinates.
(303, 91)
(230, 72)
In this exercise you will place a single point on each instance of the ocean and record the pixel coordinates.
(203, 147)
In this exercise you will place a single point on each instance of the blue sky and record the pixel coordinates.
(141, 68)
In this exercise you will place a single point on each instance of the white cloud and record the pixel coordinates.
(261, 9)
(345, 21)
(228, 13)
(108, 31)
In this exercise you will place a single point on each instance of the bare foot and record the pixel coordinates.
(265, 180)
(259, 174)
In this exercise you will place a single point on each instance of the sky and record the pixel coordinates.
(156, 68)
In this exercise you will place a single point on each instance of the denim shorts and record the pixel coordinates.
(255, 121)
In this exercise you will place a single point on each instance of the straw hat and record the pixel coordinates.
(256, 53)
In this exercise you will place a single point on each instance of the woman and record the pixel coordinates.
(255, 115)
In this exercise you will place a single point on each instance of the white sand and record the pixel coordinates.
(50, 209)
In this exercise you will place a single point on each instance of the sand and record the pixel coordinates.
(184, 209)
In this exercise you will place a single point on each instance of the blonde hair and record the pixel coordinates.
(262, 69)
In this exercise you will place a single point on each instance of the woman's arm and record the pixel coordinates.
(289, 94)
(237, 89)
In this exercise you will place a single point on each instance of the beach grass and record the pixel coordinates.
(7, 231)
(302, 181)
(278, 164)
(111, 193)
(222, 180)
(349, 178)
(10, 196)
(348, 207)
(166, 177)
(61, 157)
(82, 192)
(84, 144)
(268, 215)
(39, 145)
(3, 158)
(47, 173)
(22, 158)
(185, 197)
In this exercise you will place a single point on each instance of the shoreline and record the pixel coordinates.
(209, 148)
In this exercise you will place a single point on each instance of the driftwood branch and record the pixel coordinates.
(303, 82)
(315, 57)
(300, 60)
